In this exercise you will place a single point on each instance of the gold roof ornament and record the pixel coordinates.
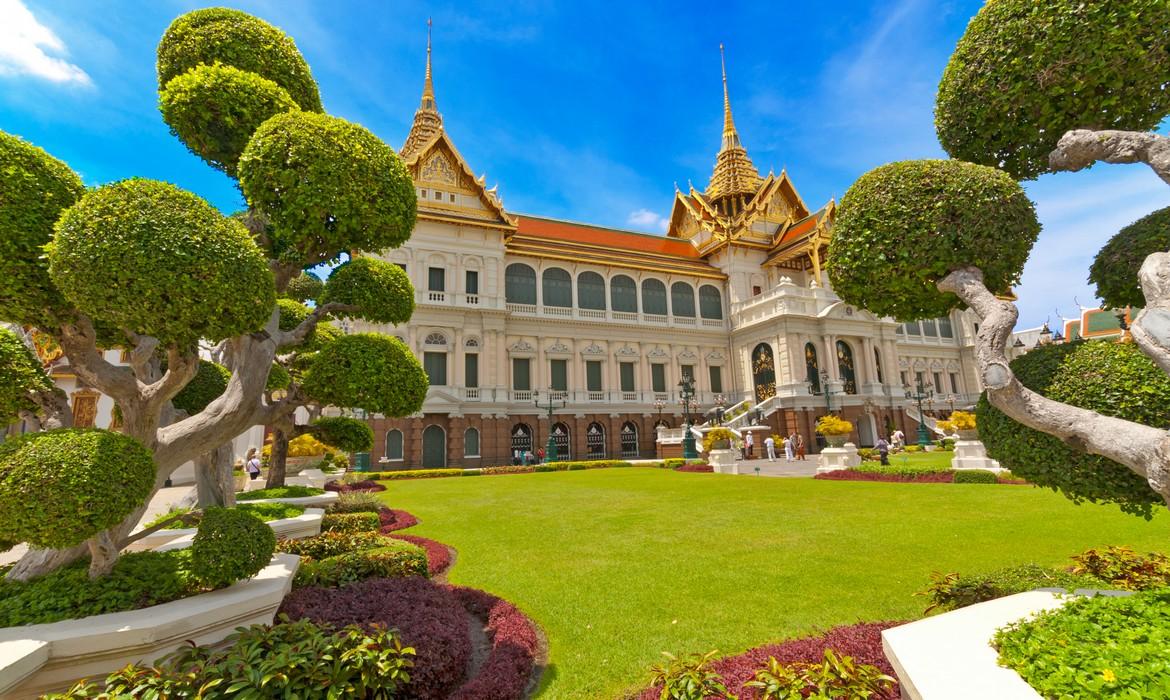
(427, 120)
(734, 172)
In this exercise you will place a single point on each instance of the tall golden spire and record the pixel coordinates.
(734, 172)
(427, 120)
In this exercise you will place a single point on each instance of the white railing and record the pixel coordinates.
(608, 316)
(655, 318)
(471, 299)
(471, 393)
(559, 395)
(521, 308)
(631, 316)
(595, 395)
(591, 313)
(714, 323)
(629, 396)
(684, 321)
(565, 311)
(521, 395)
(437, 296)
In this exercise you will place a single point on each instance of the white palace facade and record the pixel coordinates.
(513, 308)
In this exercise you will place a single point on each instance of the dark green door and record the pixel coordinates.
(434, 447)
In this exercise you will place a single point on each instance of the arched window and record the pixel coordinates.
(629, 439)
(812, 368)
(591, 291)
(710, 302)
(682, 300)
(520, 284)
(471, 442)
(595, 441)
(394, 445)
(435, 339)
(521, 440)
(560, 435)
(623, 294)
(763, 372)
(557, 287)
(434, 445)
(845, 367)
(653, 297)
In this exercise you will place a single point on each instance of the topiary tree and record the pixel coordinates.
(1115, 268)
(25, 390)
(230, 545)
(143, 265)
(1032, 87)
(304, 287)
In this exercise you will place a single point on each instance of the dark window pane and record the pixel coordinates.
(471, 443)
(626, 369)
(658, 377)
(653, 297)
(716, 379)
(560, 375)
(435, 364)
(436, 279)
(623, 294)
(682, 300)
(557, 288)
(591, 291)
(471, 370)
(394, 444)
(472, 282)
(710, 302)
(520, 284)
(520, 379)
(593, 375)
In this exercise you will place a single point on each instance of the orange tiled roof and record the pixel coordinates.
(610, 238)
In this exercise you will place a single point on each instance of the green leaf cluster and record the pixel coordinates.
(374, 372)
(356, 502)
(151, 258)
(347, 434)
(326, 186)
(689, 677)
(287, 660)
(21, 375)
(1113, 379)
(230, 545)
(1124, 568)
(360, 521)
(904, 226)
(237, 39)
(975, 476)
(278, 378)
(835, 676)
(1100, 647)
(380, 291)
(394, 559)
(59, 488)
(291, 491)
(1115, 267)
(331, 544)
(1026, 72)
(208, 384)
(953, 590)
(35, 188)
(215, 109)
(304, 287)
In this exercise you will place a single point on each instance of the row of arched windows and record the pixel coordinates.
(434, 452)
(556, 287)
(595, 445)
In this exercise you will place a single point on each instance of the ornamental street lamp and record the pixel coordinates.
(550, 449)
(824, 390)
(919, 395)
(686, 388)
(659, 404)
(951, 400)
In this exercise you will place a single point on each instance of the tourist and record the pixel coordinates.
(899, 439)
(800, 447)
(770, 446)
(749, 442)
(790, 447)
(252, 463)
(883, 449)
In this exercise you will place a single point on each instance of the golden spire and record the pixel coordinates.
(734, 172)
(427, 120)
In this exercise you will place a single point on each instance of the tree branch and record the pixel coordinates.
(297, 335)
(79, 343)
(181, 368)
(1080, 148)
(1143, 449)
(187, 518)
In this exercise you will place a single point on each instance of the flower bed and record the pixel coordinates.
(367, 485)
(393, 520)
(279, 492)
(438, 554)
(859, 475)
(861, 641)
(491, 471)
(428, 616)
(508, 669)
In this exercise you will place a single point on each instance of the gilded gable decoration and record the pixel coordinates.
(438, 169)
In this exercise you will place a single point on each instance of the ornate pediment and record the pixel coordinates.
(593, 349)
(687, 354)
(558, 348)
(714, 356)
(437, 169)
(657, 353)
(522, 346)
(627, 351)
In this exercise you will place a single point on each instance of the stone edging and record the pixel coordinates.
(306, 524)
(323, 500)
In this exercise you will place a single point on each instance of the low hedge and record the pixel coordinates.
(357, 502)
(265, 511)
(365, 485)
(394, 559)
(859, 474)
(506, 469)
(414, 474)
(394, 520)
(330, 544)
(279, 492)
(903, 469)
(350, 522)
(975, 476)
(438, 554)
(952, 591)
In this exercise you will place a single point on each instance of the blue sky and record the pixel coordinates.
(586, 111)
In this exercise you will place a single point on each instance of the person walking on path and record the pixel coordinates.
(883, 449)
(749, 442)
(789, 448)
(770, 446)
(252, 463)
(800, 447)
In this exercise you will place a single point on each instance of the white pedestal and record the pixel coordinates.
(834, 458)
(971, 454)
(723, 461)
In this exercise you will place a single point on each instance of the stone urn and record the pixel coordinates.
(836, 440)
(972, 434)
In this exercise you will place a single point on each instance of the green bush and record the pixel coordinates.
(35, 188)
(361, 521)
(1124, 568)
(267, 512)
(285, 660)
(20, 376)
(215, 109)
(209, 383)
(349, 434)
(1115, 267)
(673, 462)
(138, 580)
(292, 491)
(379, 291)
(305, 287)
(952, 591)
(975, 476)
(903, 227)
(105, 259)
(357, 502)
(688, 677)
(61, 487)
(1113, 379)
(278, 378)
(230, 545)
(1026, 72)
(326, 187)
(1101, 647)
(237, 39)
(395, 559)
(834, 677)
(913, 448)
(330, 544)
(367, 370)
(907, 470)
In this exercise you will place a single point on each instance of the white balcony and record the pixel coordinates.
(436, 297)
(470, 393)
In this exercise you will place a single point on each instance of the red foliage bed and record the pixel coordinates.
(438, 554)
(394, 520)
(367, 485)
(506, 672)
(854, 475)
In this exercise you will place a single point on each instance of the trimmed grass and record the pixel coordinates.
(937, 458)
(618, 565)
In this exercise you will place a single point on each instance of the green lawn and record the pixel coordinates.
(618, 565)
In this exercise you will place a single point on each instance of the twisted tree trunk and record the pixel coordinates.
(278, 459)
(214, 481)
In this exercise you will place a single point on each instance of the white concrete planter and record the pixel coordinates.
(321, 501)
(833, 459)
(949, 656)
(38, 659)
(971, 454)
(723, 461)
(306, 524)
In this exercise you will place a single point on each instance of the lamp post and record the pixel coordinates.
(951, 401)
(824, 389)
(919, 395)
(686, 389)
(659, 404)
(550, 448)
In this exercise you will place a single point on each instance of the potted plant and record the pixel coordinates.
(963, 423)
(836, 430)
(717, 439)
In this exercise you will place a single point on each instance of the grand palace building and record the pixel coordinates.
(514, 309)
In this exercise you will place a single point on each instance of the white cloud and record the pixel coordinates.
(648, 221)
(25, 45)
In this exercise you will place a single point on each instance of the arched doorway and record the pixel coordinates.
(434, 441)
(521, 440)
(845, 367)
(812, 368)
(595, 441)
(560, 434)
(629, 439)
(763, 372)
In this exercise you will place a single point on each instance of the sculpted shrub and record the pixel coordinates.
(378, 290)
(394, 559)
(21, 378)
(350, 522)
(229, 546)
(304, 287)
(209, 382)
(339, 374)
(348, 434)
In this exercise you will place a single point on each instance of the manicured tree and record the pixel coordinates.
(1115, 268)
(304, 287)
(1032, 87)
(25, 390)
(146, 266)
